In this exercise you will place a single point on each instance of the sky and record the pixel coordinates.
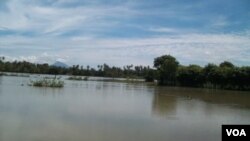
(122, 32)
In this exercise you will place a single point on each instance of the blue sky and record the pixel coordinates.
(120, 32)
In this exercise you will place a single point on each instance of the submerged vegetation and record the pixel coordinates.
(46, 82)
(14, 74)
(85, 78)
(125, 80)
(167, 71)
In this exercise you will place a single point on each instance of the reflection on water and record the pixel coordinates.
(110, 111)
(164, 105)
(221, 97)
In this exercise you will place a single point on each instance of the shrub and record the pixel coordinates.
(48, 83)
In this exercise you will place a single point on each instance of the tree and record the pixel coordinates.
(190, 76)
(211, 74)
(166, 66)
(1, 63)
(150, 75)
(226, 64)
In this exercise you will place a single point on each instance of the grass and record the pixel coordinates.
(45, 82)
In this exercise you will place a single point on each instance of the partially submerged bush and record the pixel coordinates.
(48, 83)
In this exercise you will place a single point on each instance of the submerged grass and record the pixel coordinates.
(122, 80)
(14, 74)
(45, 82)
(79, 78)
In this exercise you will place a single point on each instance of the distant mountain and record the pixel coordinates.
(60, 64)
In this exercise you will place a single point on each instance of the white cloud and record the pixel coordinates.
(30, 17)
(42, 58)
(49, 22)
(191, 48)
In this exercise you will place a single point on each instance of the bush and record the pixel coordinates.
(48, 83)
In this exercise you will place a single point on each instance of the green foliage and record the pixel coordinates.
(167, 72)
(211, 73)
(76, 70)
(166, 66)
(224, 76)
(226, 64)
(45, 82)
(190, 76)
(150, 75)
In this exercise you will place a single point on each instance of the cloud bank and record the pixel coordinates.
(125, 32)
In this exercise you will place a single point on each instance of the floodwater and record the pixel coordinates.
(112, 111)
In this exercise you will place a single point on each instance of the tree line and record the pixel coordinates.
(222, 76)
(167, 71)
(103, 70)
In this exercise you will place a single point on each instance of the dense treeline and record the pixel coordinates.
(102, 70)
(167, 71)
(224, 76)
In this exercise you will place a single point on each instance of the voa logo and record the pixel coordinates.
(236, 132)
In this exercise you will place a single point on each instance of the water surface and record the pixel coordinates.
(112, 111)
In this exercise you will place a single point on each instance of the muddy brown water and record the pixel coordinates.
(113, 111)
